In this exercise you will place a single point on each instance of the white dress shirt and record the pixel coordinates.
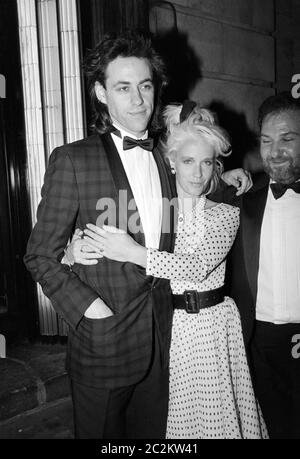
(143, 177)
(278, 294)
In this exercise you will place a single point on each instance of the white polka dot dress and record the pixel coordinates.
(211, 394)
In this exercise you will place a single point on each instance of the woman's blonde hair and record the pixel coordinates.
(199, 123)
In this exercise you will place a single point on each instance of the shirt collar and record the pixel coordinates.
(273, 181)
(125, 133)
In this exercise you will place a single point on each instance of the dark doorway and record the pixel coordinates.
(18, 315)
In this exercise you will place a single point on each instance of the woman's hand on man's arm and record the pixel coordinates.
(115, 244)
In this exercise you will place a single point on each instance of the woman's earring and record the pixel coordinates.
(173, 170)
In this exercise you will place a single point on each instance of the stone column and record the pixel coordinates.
(52, 100)
(70, 65)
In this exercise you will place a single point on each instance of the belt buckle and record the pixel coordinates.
(191, 302)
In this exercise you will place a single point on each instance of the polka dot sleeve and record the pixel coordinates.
(211, 250)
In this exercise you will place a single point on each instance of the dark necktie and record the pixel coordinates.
(146, 144)
(279, 189)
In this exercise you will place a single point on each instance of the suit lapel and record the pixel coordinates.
(125, 212)
(253, 206)
(169, 195)
(125, 203)
(169, 213)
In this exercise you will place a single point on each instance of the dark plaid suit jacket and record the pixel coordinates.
(115, 351)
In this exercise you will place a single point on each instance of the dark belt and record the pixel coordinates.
(192, 301)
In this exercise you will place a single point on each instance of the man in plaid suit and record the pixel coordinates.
(119, 318)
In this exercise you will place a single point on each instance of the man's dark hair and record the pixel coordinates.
(282, 102)
(128, 44)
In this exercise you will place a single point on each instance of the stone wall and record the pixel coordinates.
(230, 55)
(287, 36)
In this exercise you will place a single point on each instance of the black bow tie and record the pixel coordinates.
(279, 189)
(146, 144)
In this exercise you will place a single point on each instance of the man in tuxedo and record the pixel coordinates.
(265, 267)
(119, 318)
